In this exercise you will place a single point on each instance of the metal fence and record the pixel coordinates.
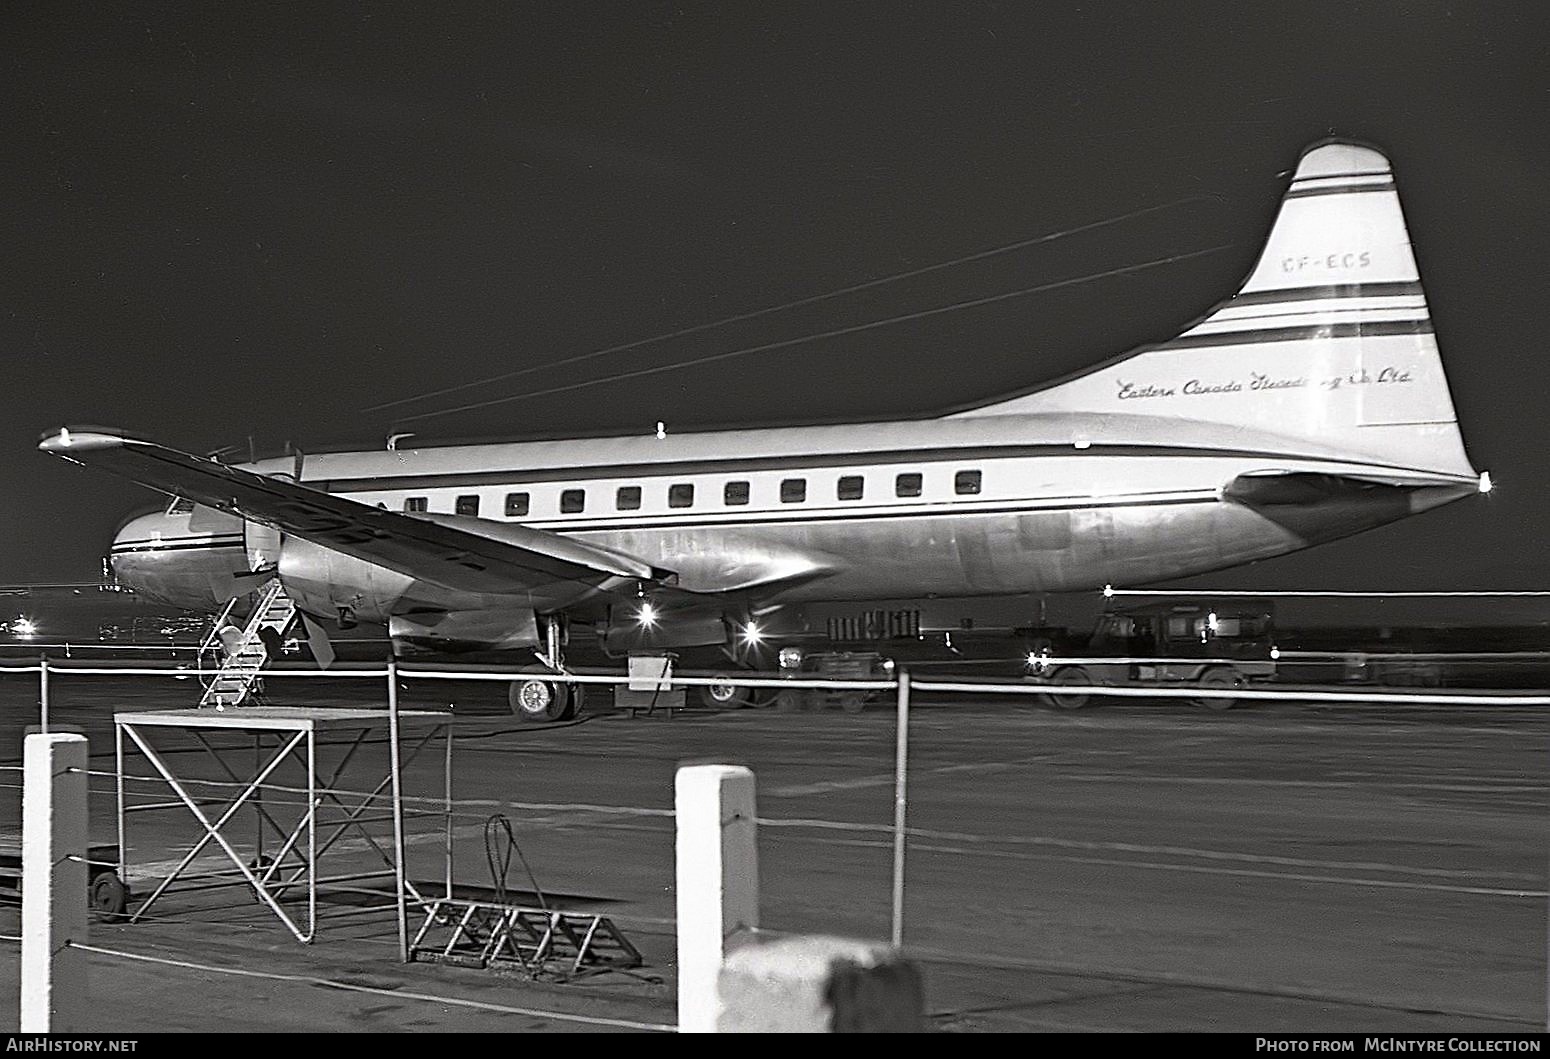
(903, 688)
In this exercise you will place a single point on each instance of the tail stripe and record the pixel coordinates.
(1322, 293)
(1293, 334)
(1339, 189)
(1313, 315)
(1354, 174)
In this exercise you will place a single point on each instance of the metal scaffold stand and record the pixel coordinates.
(298, 823)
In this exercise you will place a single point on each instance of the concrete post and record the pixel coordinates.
(820, 984)
(53, 973)
(718, 881)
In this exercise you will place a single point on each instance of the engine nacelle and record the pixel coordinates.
(465, 630)
(325, 582)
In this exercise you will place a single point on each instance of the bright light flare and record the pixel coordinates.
(647, 616)
(1486, 485)
(24, 628)
(753, 636)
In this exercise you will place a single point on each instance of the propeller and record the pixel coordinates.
(317, 639)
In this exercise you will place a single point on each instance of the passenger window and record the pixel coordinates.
(628, 498)
(572, 501)
(793, 490)
(966, 483)
(680, 495)
(416, 503)
(907, 484)
(468, 504)
(516, 505)
(851, 487)
(736, 493)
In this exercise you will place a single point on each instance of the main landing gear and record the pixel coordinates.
(541, 695)
(539, 698)
(725, 694)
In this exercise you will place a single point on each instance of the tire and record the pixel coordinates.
(725, 695)
(1069, 700)
(538, 699)
(852, 701)
(789, 700)
(1219, 678)
(107, 895)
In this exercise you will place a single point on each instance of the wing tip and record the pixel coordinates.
(72, 439)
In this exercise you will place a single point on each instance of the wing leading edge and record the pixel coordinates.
(520, 560)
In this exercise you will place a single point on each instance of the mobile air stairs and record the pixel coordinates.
(244, 654)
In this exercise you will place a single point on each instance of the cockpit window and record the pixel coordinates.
(179, 506)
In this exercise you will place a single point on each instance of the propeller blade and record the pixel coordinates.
(317, 639)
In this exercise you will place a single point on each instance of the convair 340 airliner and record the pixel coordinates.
(1308, 406)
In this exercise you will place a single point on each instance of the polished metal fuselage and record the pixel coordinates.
(1059, 503)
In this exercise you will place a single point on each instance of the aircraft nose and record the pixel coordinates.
(139, 534)
(177, 559)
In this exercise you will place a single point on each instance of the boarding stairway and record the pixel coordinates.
(242, 662)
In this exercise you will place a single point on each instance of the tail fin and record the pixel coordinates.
(1329, 339)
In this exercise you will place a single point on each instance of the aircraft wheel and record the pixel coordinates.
(1069, 700)
(1219, 678)
(578, 701)
(537, 700)
(789, 700)
(725, 694)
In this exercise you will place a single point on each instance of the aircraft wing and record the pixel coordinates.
(520, 560)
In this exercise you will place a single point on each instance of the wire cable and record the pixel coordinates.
(328, 983)
(494, 827)
(1048, 237)
(833, 333)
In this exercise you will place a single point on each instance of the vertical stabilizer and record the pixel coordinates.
(1329, 339)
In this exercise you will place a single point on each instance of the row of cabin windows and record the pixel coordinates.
(681, 494)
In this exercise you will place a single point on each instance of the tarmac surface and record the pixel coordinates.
(1136, 866)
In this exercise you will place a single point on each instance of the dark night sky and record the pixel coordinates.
(219, 224)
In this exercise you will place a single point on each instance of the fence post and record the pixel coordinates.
(53, 973)
(43, 693)
(395, 767)
(718, 881)
(901, 754)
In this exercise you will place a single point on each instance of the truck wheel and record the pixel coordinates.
(1219, 678)
(1069, 700)
(539, 700)
(724, 694)
(852, 701)
(789, 700)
